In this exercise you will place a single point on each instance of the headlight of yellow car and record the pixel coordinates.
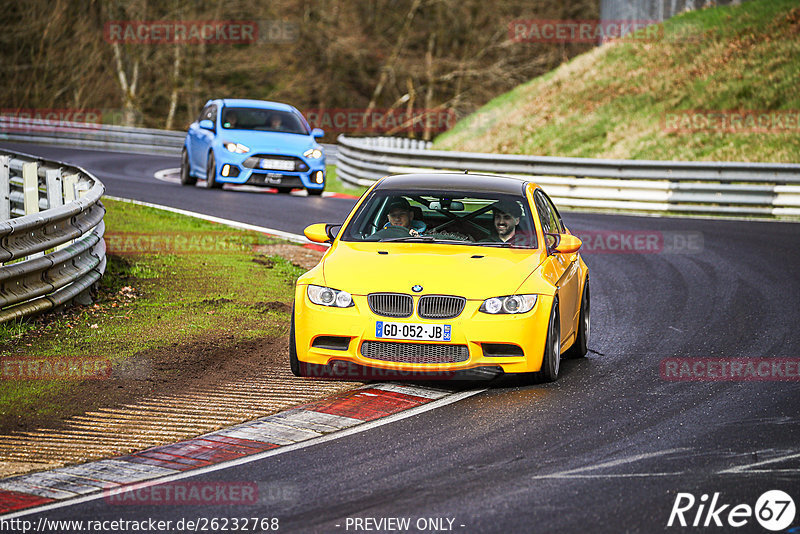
(508, 304)
(326, 296)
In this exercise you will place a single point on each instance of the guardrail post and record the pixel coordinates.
(55, 191)
(81, 189)
(70, 182)
(30, 191)
(5, 189)
(30, 187)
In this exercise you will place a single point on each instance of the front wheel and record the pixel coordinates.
(186, 175)
(294, 362)
(551, 362)
(314, 192)
(211, 173)
(581, 345)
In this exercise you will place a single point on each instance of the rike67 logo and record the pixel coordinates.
(774, 510)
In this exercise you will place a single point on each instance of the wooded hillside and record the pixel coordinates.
(315, 54)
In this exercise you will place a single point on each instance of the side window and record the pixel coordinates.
(202, 113)
(211, 114)
(543, 212)
(555, 218)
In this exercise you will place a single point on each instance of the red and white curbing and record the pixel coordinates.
(302, 423)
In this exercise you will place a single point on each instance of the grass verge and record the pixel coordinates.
(170, 281)
(619, 100)
(336, 185)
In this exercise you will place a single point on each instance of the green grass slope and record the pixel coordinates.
(621, 100)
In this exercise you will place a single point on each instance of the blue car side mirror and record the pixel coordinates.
(317, 133)
(206, 125)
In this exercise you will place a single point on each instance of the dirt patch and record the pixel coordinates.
(168, 370)
(264, 307)
(304, 257)
(173, 369)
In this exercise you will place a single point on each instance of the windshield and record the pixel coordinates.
(263, 120)
(482, 219)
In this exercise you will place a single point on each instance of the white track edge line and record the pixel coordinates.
(228, 222)
(450, 399)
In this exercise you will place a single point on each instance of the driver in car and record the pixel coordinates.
(401, 215)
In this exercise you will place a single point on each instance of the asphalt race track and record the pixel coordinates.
(131, 176)
(607, 448)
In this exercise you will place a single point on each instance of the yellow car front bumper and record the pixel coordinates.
(513, 342)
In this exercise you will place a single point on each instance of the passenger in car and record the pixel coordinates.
(275, 123)
(507, 214)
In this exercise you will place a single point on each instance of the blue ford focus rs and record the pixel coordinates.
(253, 142)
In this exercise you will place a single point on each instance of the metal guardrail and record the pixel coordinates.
(719, 188)
(90, 135)
(51, 234)
(101, 136)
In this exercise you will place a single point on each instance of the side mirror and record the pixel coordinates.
(321, 232)
(317, 133)
(567, 244)
(206, 125)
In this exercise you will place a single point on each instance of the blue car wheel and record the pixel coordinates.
(186, 172)
(211, 173)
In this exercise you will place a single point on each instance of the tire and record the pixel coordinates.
(294, 362)
(581, 345)
(551, 362)
(186, 176)
(211, 173)
(314, 192)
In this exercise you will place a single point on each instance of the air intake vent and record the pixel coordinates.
(502, 350)
(331, 342)
(440, 306)
(391, 304)
(389, 351)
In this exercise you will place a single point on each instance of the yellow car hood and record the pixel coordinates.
(472, 272)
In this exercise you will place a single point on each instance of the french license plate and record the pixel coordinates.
(421, 332)
(279, 164)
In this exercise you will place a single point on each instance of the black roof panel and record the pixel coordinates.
(484, 183)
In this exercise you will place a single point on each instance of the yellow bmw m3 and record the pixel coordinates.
(443, 276)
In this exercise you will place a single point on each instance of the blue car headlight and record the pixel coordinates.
(236, 148)
(508, 304)
(326, 296)
(313, 153)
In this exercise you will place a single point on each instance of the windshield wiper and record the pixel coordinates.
(409, 238)
(427, 239)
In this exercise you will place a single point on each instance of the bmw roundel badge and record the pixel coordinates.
(417, 288)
